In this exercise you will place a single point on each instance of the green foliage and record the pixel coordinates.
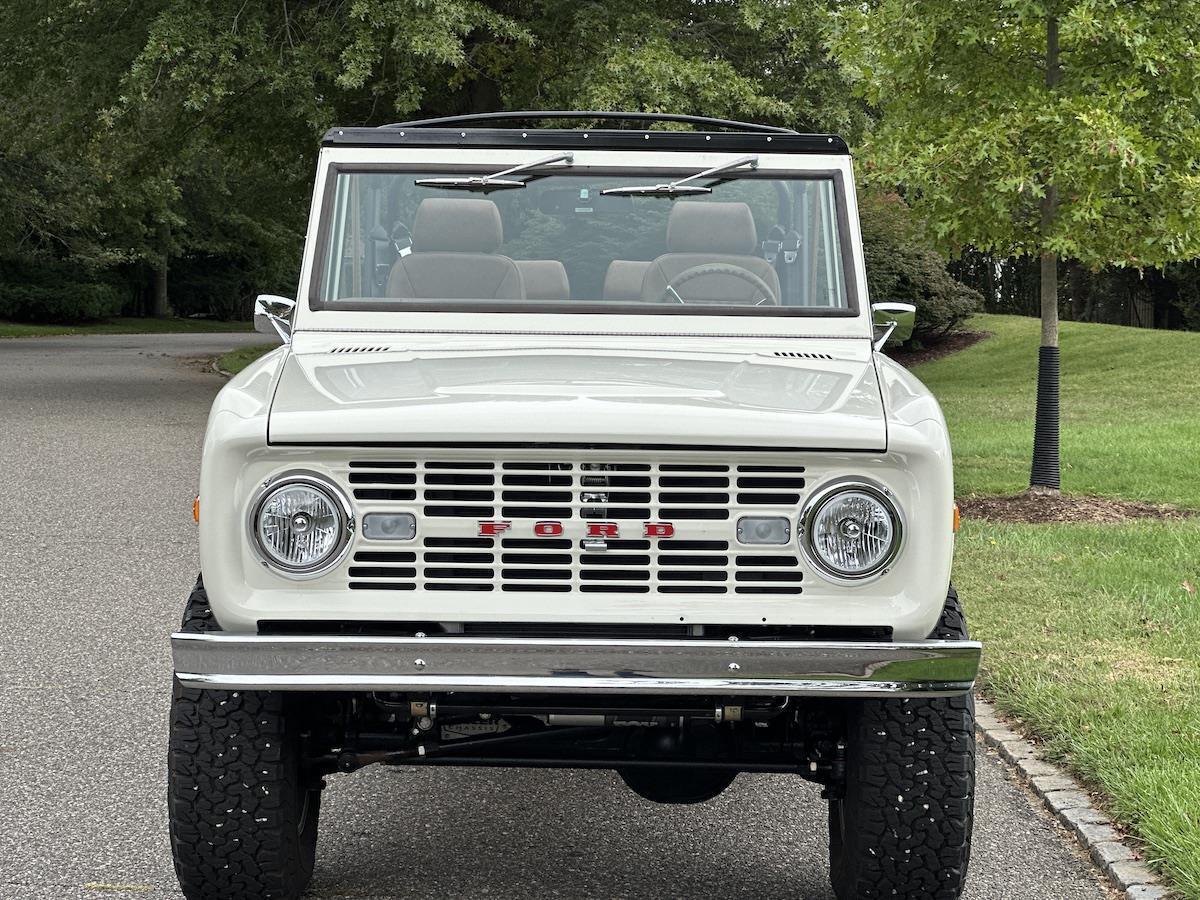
(217, 286)
(754, 59)
(902, 266)
(57, 292)
(1186, 278)
(138, 131)
(974, 135)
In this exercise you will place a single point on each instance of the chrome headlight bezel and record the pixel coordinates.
(338, 500)
(817, 500)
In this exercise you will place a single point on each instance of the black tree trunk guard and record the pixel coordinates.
(1046, 470)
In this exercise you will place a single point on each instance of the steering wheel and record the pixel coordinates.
(671, 292)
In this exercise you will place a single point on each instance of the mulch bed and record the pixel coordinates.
(952, 343)
(1041, 509)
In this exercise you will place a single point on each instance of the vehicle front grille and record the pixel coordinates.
(701, 501)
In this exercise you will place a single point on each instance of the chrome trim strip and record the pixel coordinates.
(545, 665)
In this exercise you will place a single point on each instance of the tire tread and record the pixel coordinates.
(234, 789)
(910, 793)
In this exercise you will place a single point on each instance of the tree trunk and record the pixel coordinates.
(1045, 475)
(162, 306)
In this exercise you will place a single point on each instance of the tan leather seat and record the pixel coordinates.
(700, 233)
(544, 279)
(623, 280)
(454, 243)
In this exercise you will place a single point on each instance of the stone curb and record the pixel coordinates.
(1069, 802)
(216, 367)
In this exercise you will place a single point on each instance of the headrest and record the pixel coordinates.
(457, 226)
(545, 279)
(703, 227)
(623, 280)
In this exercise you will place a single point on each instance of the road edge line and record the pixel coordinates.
(1069, 802)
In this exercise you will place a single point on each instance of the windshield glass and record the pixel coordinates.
(552, 240)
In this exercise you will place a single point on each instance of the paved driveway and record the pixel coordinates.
(99, 449)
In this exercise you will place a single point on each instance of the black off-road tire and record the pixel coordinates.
(903, 828)
(243, 823)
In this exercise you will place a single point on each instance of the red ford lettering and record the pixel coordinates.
(552, 528)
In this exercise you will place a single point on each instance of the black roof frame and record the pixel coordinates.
(472, 131)
(548, 114)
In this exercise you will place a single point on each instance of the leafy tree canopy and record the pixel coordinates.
(136, 131)
(973, 133)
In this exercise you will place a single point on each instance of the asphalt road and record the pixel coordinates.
(99, 453)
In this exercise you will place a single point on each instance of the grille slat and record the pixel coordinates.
(451, 494)
(452, 557)
(383, 478)
(702, 500)
(537, 512)
(768, 574)
(770, 485)
(383, 494)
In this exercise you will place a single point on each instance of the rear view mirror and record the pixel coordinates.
(273, 315)
(893, 322)
(580, 202)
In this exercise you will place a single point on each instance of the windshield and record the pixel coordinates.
(556, 239)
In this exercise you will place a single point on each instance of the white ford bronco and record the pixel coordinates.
(580, 452)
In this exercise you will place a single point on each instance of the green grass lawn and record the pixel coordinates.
(1130, 409)
(1091, 631)
(122, 326)
(236, 360)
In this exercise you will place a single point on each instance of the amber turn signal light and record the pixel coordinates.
(196, 511)
(957, 515)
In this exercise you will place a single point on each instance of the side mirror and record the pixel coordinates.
(273, 315)
(893, 322)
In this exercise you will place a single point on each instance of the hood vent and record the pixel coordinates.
(799, 354)
(359, 349)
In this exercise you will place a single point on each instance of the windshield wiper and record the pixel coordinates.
(681, 187)
(495, 180)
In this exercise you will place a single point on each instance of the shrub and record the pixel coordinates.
(55, 291)
(903, 266)
(1185, 277)
(218, 287)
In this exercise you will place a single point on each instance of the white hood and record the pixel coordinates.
(824, 397)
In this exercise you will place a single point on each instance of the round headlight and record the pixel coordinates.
(850, 530)
(301, 524)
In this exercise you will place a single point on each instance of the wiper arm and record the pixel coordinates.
(681, 187)
(495, 180)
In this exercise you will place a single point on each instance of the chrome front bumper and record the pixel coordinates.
(541, 665)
